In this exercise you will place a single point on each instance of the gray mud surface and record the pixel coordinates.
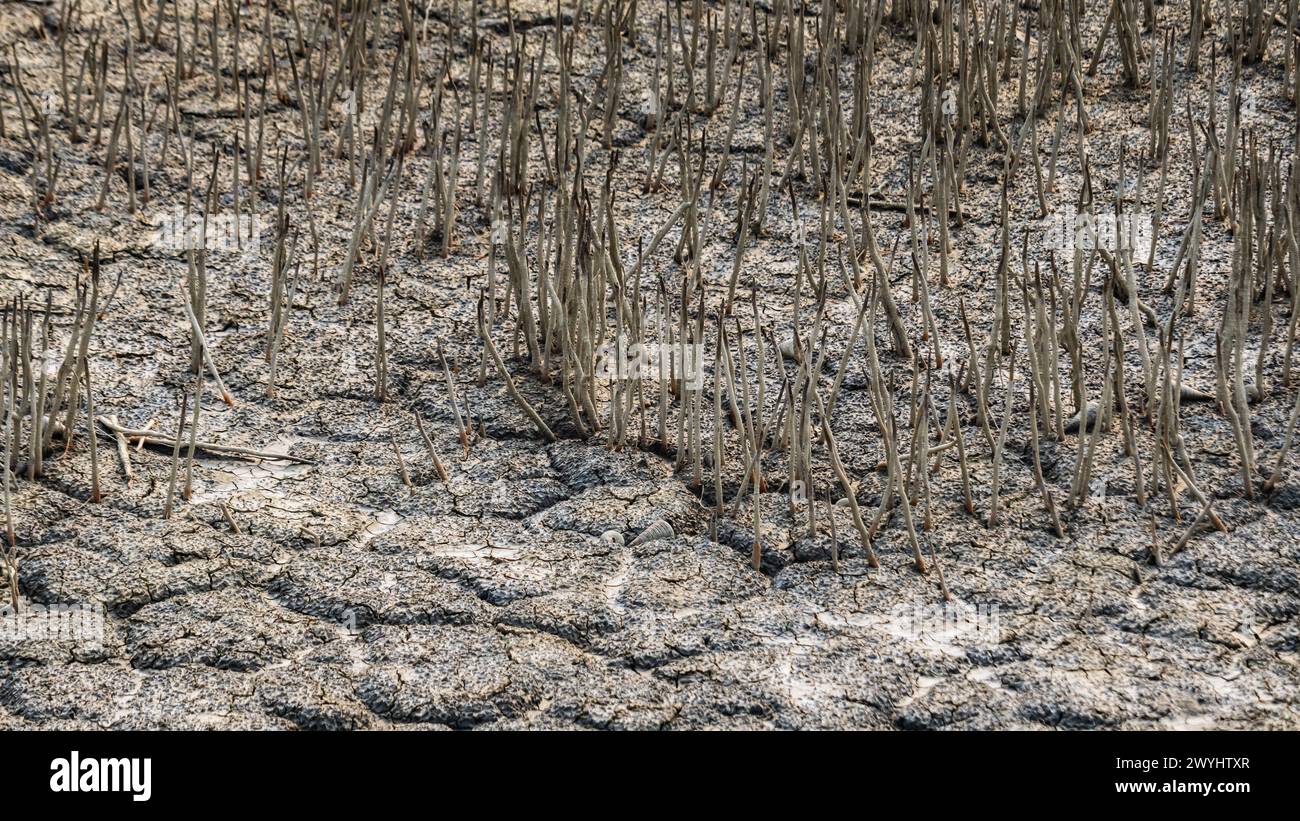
(332, 595)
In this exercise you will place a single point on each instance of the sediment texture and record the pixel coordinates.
(511, 596)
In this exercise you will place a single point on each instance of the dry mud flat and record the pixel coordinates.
(360, 590)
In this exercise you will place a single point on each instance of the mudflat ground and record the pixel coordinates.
(358, 589)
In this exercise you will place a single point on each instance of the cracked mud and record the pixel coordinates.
(335, 595)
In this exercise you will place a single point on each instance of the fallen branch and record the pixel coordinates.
(147, 437)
